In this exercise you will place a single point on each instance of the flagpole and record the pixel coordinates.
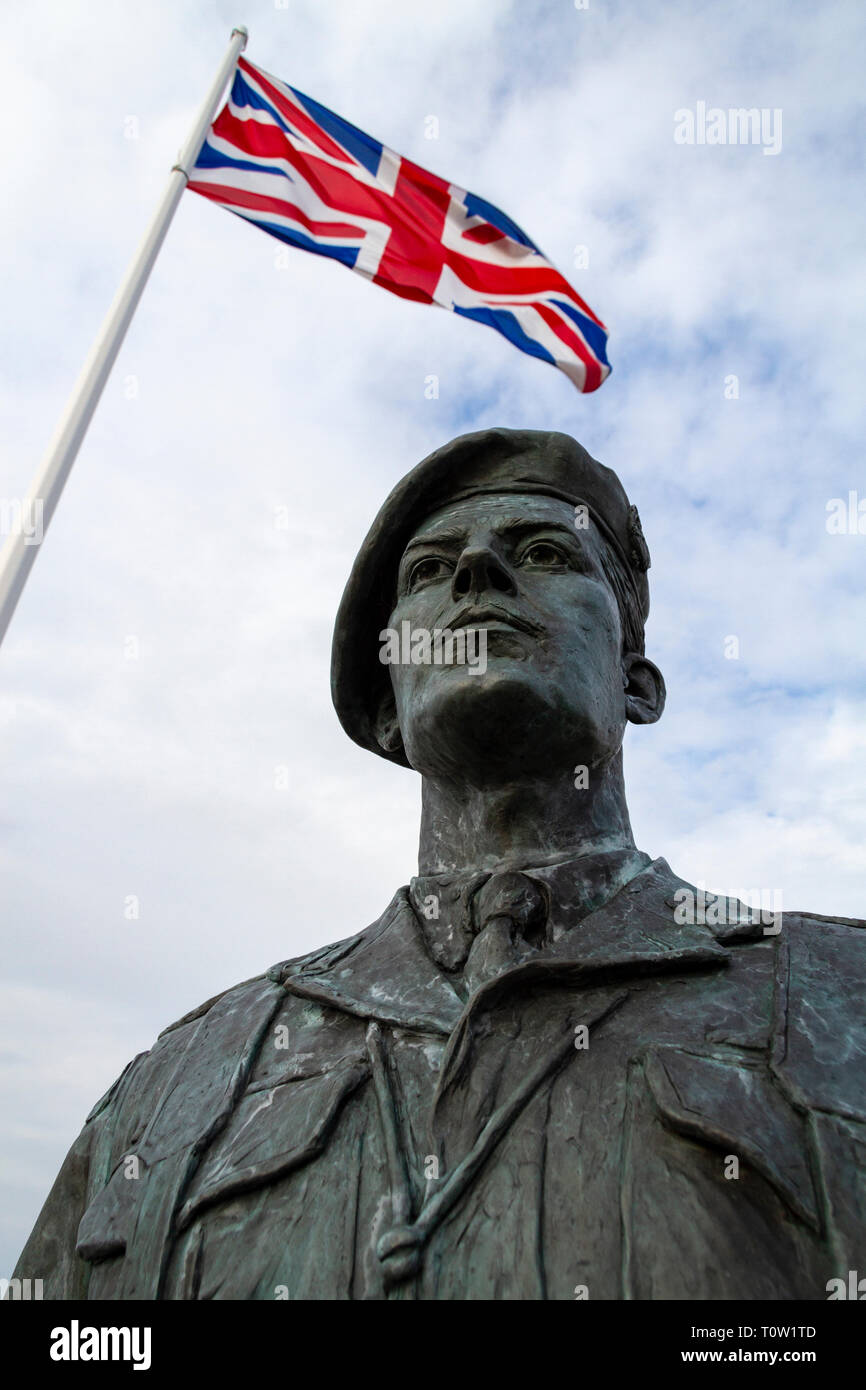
(39, 505)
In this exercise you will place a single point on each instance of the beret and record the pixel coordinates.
(487, 461)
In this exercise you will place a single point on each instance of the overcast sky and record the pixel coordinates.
(171, 652)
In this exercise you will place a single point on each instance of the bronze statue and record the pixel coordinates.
(551, 1069)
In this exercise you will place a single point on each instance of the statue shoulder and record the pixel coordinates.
(251, 1000)
(821, 1049)
(193, 1015)
(246, 1002)
(824, 953)
(322, 956)
(817, 919)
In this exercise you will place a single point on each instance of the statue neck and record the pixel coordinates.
(523, 822)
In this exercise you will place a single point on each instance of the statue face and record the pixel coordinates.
(555, 691)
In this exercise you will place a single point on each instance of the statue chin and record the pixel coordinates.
(504, 725)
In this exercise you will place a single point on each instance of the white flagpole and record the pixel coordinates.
(38, 507)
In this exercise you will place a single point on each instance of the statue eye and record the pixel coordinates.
(427, 571)
(544, 555)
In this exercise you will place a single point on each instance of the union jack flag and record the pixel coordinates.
(303, 174)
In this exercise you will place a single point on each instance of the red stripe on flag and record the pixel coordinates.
(577, 345)
(266, 141)
(484, 235)
(517, 279)
(259, 202)
(295, 114)
(412, 261)
(336, 187)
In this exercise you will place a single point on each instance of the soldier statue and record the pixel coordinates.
(551, 1069)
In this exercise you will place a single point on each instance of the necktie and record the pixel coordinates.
(509, 913)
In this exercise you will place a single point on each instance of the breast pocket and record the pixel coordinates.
(273, 1130)
(736, 1107)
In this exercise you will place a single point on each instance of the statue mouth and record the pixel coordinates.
(492, 618)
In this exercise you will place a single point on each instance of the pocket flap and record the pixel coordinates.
(272, 1131)
(736, 1107)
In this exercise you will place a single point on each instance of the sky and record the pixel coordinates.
(179, 807)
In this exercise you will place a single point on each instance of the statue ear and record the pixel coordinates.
(644, 689)
(387, 729)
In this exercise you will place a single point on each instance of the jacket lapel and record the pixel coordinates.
(386, 973)
(636, 932)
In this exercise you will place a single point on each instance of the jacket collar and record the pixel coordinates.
(387, 972)
(384, 973)
(445, 904)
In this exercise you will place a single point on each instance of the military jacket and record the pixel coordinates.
(650, 1108)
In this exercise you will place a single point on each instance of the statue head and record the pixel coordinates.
(521, 538)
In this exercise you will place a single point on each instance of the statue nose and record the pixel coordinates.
(479, 571)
